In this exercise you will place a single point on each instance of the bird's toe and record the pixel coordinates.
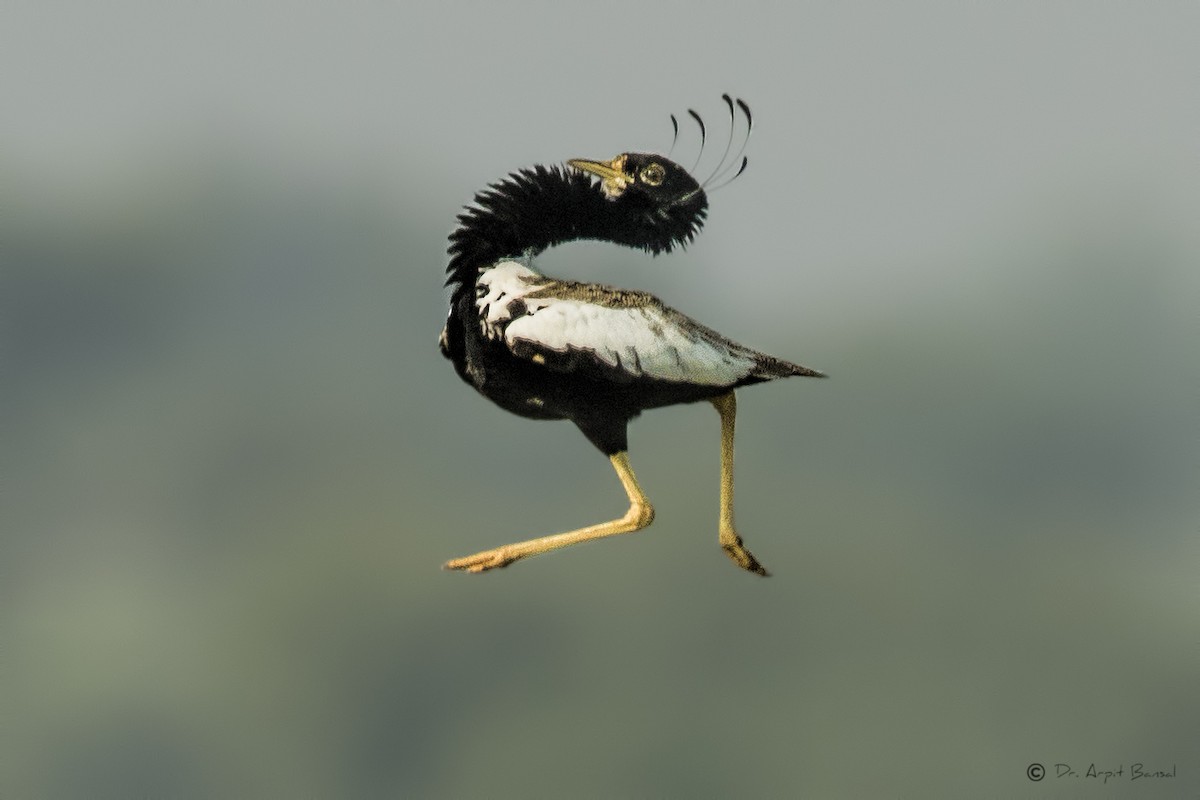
(481, 562)
(743, 557)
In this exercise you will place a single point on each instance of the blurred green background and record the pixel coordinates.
(233, 458)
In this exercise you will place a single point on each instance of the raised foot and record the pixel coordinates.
(481, 562)
(743, 557)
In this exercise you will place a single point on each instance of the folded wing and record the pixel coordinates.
(613, 334)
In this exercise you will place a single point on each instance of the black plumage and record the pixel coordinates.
(596, 355)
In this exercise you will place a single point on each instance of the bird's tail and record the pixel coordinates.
(769, 367)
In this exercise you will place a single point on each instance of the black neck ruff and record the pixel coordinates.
(539, 207)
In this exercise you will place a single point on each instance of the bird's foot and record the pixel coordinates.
(481, 562)
(741, 556)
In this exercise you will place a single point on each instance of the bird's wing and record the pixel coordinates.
(609, 333)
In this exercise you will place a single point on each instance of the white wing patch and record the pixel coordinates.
(497, 288)
(641, 340)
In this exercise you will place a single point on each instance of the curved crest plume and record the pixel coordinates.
(724, 166)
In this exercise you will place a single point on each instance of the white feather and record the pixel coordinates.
(645, 340)
(497, 288)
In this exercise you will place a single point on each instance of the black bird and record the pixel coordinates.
(598, 356)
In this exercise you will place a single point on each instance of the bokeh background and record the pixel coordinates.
(233, 458)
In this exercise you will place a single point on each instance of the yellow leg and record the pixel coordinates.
(639, 515)
(727, 535)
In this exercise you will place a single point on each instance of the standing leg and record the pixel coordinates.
(639, 515)
(726, 405)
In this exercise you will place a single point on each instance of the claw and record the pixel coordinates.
(744, 558)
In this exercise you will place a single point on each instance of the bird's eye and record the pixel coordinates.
(653, 175)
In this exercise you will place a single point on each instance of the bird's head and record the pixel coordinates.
(657, 178)
(661, 204)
